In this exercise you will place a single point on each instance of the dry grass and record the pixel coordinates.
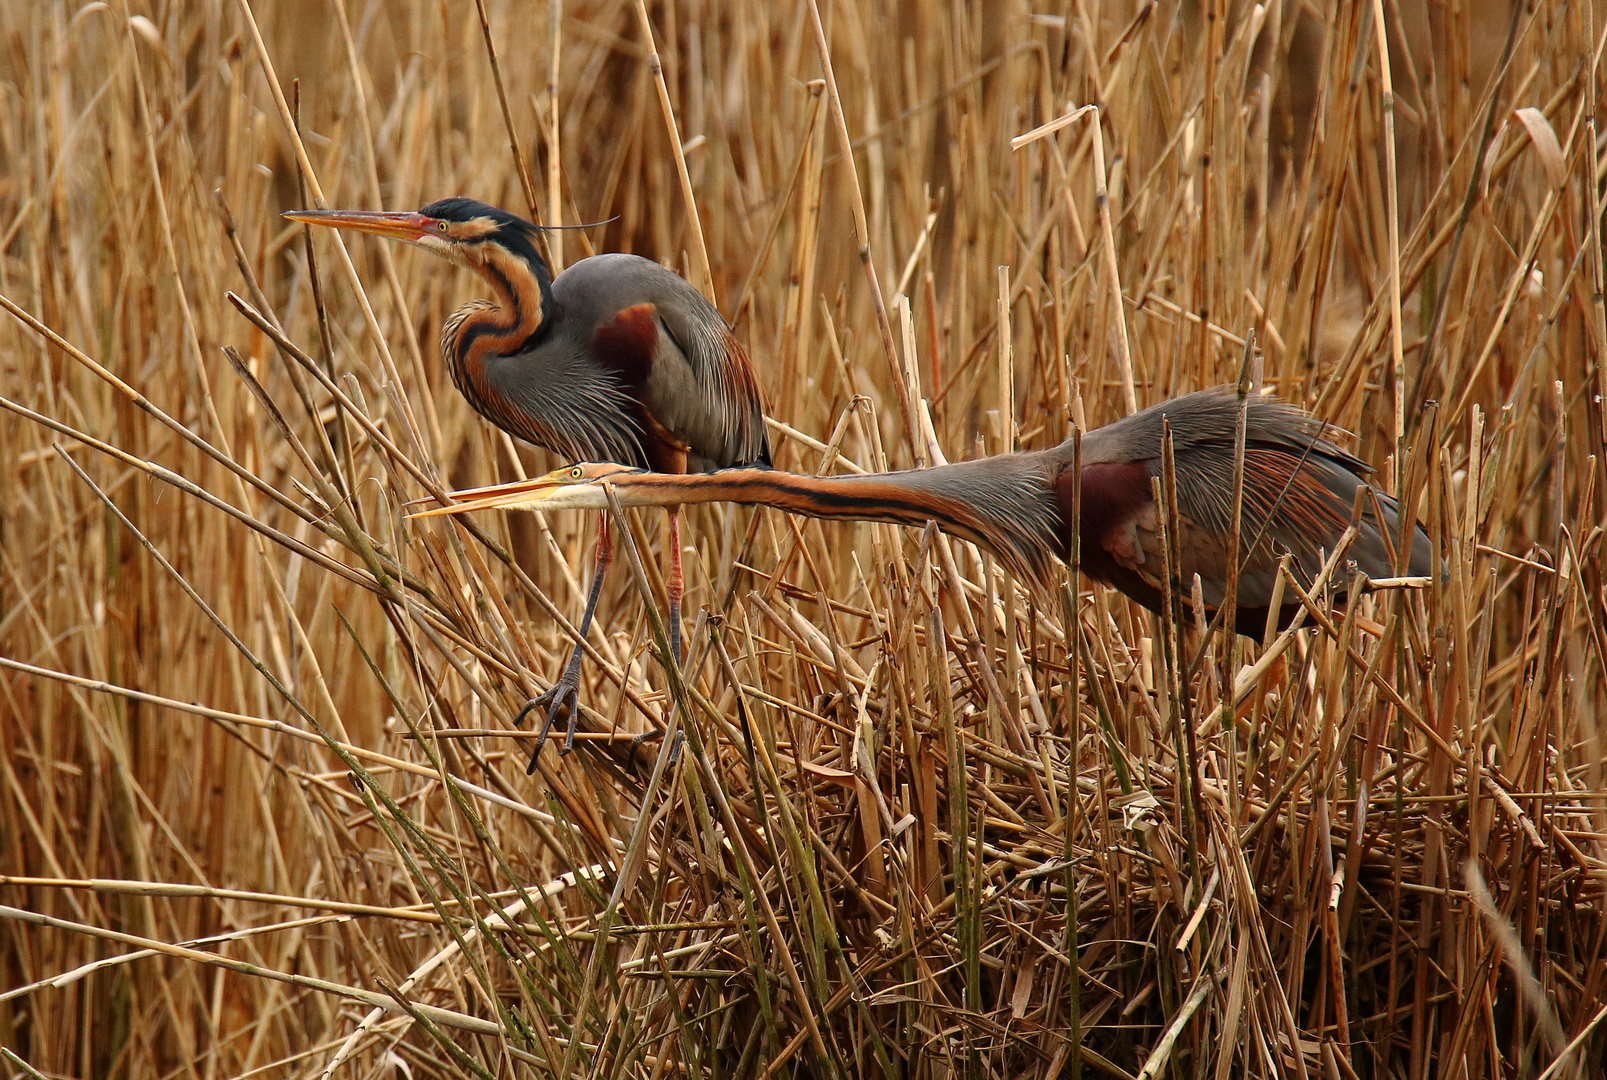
(926, 824)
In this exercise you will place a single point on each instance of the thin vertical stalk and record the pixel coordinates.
(901, 379)
(702, 275)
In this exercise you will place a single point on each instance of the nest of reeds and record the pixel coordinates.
(261, 807)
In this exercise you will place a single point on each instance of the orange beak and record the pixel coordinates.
(402, 225)
(556, 490)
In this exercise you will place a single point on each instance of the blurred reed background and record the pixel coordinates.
(237, 680)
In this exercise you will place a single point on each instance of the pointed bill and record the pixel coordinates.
(400, 225)
(575, 487)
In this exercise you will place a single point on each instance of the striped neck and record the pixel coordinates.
(1006, 505)
(482, 331)
(508, 323)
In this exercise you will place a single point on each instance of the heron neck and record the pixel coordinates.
(522, 299)
(1009, 511)
(483, 330)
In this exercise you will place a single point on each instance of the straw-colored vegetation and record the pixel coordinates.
(924, 822)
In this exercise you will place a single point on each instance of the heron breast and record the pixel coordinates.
(1116, 504)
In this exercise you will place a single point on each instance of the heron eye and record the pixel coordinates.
(441, 225)
(577, 472)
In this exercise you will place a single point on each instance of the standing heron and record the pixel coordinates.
(617, 360)
(1299, 489)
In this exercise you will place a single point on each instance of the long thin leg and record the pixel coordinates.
(674, 586)
(566, 690)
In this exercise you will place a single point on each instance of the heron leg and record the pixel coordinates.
(566, 690)
(674, 586)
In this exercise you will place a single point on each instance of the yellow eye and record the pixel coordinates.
(441, 225)
(577, 472)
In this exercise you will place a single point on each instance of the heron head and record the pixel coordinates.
(460, 230)
(573, 487)
(579, 486)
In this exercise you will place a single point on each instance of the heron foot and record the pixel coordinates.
(562, 696)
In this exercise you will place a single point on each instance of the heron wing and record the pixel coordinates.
(669, 348)
(702, 386)
(554, 396)
(1296, 502)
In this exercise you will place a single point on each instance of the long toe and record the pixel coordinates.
(566, 699)
(555, 700)
(540, 701)
(569, 733)
(569, 701)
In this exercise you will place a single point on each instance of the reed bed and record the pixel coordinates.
(262, 812)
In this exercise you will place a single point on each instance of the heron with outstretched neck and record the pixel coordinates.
(1299, 492)
(616, 359)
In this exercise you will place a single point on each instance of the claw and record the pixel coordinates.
(574, 715)
(540, 701)
(560, 702)
(555, 699)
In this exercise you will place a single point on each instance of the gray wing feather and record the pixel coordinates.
(724, 423)
(693, 389)
(1203, 426)
(583, 414)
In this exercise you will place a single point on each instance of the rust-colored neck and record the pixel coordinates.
(483, 330)
(1021, 531)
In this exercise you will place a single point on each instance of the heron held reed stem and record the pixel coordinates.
(617, 360)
